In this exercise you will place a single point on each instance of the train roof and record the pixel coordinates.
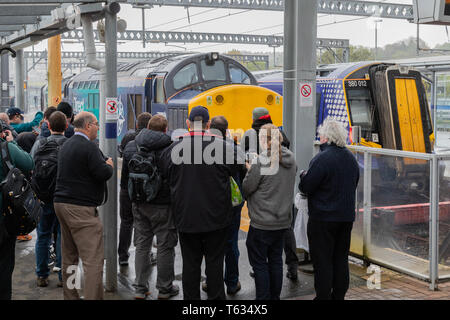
(158, 65)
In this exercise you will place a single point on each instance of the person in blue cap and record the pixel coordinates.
(17, 122)
(201, 204)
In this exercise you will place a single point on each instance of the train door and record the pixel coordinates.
(409, 115)
(158, 101)
(134, 109)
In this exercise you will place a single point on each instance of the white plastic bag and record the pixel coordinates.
(301, 222)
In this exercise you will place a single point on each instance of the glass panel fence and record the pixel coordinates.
(398, 233)
(444, 220)
(356, 245)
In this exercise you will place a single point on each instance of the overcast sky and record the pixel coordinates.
(359, 32)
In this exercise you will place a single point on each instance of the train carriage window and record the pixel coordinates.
(159, 90)
(215, 72)
(92, 85)
(81, 85)
(237, 75)
(186, 76)
(359, 105)
(75, 85)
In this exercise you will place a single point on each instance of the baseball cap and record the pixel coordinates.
(199, 111)
(14, 111)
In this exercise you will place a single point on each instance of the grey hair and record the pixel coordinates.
(334, 131)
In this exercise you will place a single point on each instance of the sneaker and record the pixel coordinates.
(204, 287)
(26, 237)
(292, 275)
(42, 282)
(123, 263)
(141, 296)
(56, 269)
(171, 293)
(233, 291)
(153, 260)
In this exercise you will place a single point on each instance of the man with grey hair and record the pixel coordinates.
(330, 185)
(80, 188)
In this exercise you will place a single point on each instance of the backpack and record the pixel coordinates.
(21, 207)
(144, 180)
(43, 180)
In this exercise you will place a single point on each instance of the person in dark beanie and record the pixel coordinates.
(45, 131)
(330, 185)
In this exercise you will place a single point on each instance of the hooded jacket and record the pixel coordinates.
(269, 196)
(151, 141)
(45, 131)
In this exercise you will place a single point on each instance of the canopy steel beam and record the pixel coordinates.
(201, 37)
(26, 10)
(79, 55)
(340, 7)
(18, 20)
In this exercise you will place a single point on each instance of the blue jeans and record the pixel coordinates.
(231, 277)
(44, 240)
(265, 250)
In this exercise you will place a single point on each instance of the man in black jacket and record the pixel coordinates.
(201, 203)
(154, 218)
(80, 188)
(126, 214)
(330, 185)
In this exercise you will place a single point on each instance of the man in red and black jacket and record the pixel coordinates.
(199, 179)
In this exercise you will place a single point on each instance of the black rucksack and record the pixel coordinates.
(21, 207)
(43, 179)
(144, 180)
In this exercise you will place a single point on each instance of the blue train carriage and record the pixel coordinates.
(173, 85)
(387, 101)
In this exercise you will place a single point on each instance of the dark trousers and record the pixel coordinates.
(44, 240)
(194, 246)
(265, 254)
(7, 259)
(126, 225)
(329, 244)
(290, 246)
(232, 250)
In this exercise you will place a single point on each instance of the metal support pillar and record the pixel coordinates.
(5, 96)
(143, 28)
(19, 62)
(367, 219)
(289, 67)
(304, 112)
(110, 128)
(346, 55)
(434, 223)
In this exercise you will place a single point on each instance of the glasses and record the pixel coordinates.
(95, 123)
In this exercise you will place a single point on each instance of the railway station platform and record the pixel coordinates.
(393, 286)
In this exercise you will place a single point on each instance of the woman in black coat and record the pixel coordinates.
(330, 184)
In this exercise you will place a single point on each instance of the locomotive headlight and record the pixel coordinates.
(270, 99)
(220, 99)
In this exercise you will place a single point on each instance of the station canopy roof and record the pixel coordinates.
(25, 22)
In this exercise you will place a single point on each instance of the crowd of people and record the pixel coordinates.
(187, 188)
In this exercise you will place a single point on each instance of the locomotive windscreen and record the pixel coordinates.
(359, 105)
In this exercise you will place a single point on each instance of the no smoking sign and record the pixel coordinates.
(112, 109)
(306, 97)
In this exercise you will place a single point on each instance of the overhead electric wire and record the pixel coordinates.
(176, 20)
(212, 19)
